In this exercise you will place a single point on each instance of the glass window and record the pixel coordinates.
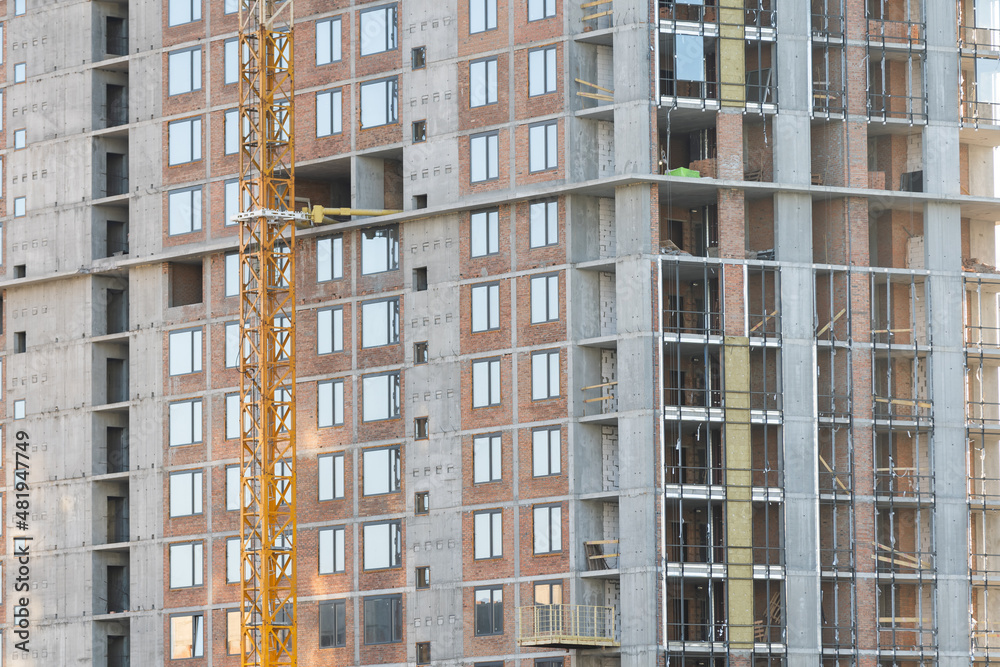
(381, 471)
(185, 423)
(232, 344)
(482, 82)
(185, 493)
(488, 534)
(545, 451)
(484, 233)
(544, 221)
(486, 459)
(184, 141)
(20, 139)
(485, 383)
(378, 30)
(379, 250)
(232, 416)
(231, 123)
(233, 631)
(233, 560)
(384, 619)
(547, 529)
(485, 307)
(543, 146)
(542, 71)
(545, 299)
(380, 394)
(20, 409)
(379, 323)
(540, 9)
(185, 352)
(187, 637)
(330, 396)
(329, 259)
(383, 545)
(484, 159)
(489, 611)
(328, 41)
(544, 375)
(329, 113)
(331, 550)
(184, 71)
(20, 207)
(20, 72)
(332, 625)
(231, 61)
(186, 565)
(231, 7)
(379, 103)
(183, 11)
(232, 488)
(482, 15)
(232, 277)
(184, 211)
(19, 6)
(232, 201)
(330, 330)
(331, 476)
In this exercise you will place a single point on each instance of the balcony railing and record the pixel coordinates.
(983, 38)
(566, 625)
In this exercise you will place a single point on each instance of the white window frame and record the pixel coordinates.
(545, 298)
(231, 132)
(185, 341)
(233, 484)
(379, 103)
(546, 452)
(231, 61)
(330, 330)
(187, 553)
(373, 560)
(381, 470)
(378, 19)
(484, 233)
(487, 534)
(330, 551)
(330, 403)
(545, 375)
(184, 71)
(486, 390)
(482, 82)
(329, 112)
(184, 141)
(543, 147)
(379, 322)
(541, 9)
(484, 157)
(377, 383)
(485, 307)
(543, 219)
(482, 16)
(197, 626)
(185, 422)
(329, 259)
(330, 476)
(186, 493)
(328, 41)
(542, 71)
(373, 248)
(546, 529)
(487, 458)
(184, 211)
(180, 12)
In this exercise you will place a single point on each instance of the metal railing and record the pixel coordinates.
(971, 36)
(566, 625)
(912, 108)
(895, 32)
(980, 113)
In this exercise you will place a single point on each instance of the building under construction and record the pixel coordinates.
(677, 342)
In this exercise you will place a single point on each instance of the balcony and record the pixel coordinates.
(566, 626)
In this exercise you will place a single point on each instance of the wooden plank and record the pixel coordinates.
(595, 3)
(830, 470)
(595, 96)
(597, 15)
(594, 85)
(761, 323)
(831, 322)
(603, 384)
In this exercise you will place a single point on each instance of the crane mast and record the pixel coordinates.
(267, 335)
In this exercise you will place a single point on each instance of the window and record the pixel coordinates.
(329, 259)
(332, 624)
(329, 113)
(380, 323)
(379, 250)
(184, 71)
(542, 71)
(232, 281)
(383, 545)
(420, 353)
(540, 9)
(232, 416)
(423, 577)
(187, 637)
(232, 201)
(544, 221)
(484, 161)
(548, 592)
(331, 550)
(185, 352)
(231, 6)
(378, 30)
(184, 141)
(544, 375)
(20, 207)
(231, 61)
(421, 428)
(419, 131)
(482, 82)
(378, 103)
(185, 493)
(485, 307)
(330, 330)
(186, 565)
(423, 653)
(20, 410)
(422, 502)
(381, 470)
(384, 619)
(484, 233)
(20, 139)
(547, 529)
(327, 41)
(380, 394)
(486, 459)
(185, 423)
(184, 211)
(545, 451)
(489, 611)
(231, 125)
(543, 146)
(545, 299)
(20, 72)
(232, 344)
(233, 632)
(485, 383)
(331, 476)
(19, 7)
(482, 15)
(183, 11)
(420, 279)
(488, 534)
(233, 560)
(232, 488)
(418, 57)
(330, 396)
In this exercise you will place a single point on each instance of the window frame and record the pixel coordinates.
(230, 59)
(393, 398)
(491, 400)
(197, 351)
(336, 258)
(394, 473)
(231, 132)
(194, 71)
(392, 248)
(194, 153)
(233, 490)
(196, 500)
(494, 458)
(193, 10)
(194, 223)
(197, 636)
(337, 403)
(332, 341)
(395, 610)
(489, 86)
(491, 155)
(546, 288)
(20, 137)
(391, 42)
(493, 542)
(20, 207)
(232, 347)
(550, 69)
(492, 605)
(229, 565)
(336, 117)
(233, 638)
(20, 72)
(553, 451)
(553, 379)
(487, 6)
(336, 474)
(543, 226)
(335, 39)
(550, 146)
(230, 182)
(545, 6)
(489, 298)
(553, 530)
(489, 221)
(391, 321)
(197, 563)
(338, 609)
(337, 544)
(232, 421)
(196, 426)
(394, 534)
(391, 108)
